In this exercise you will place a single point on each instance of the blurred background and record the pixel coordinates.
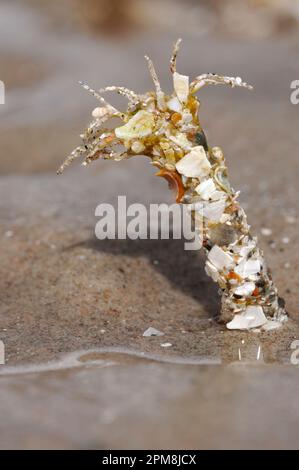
(47, 46)
(62, 291)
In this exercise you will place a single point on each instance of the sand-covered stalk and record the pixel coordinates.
(167, 129)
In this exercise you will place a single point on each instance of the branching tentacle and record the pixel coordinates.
(94, 128)
(213, 79)
(78, 152)
(101, 99)
(131, 95)
(159, 92)
(174, 55)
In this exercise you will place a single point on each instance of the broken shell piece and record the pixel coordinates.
(174, 105)
(246, 247)
(140, 125)
(224, 218)
(152, 332)
(217, 153)
(181, 140)
(181, 86)
(212, 271)
(271, 325)
(252, 317)
(187, 117)
(245, 289)
(213, 211)
(219, 258)
(137, 146)
(206, 188)
(248, 268)
(195, 164)
(99, 112)
(216, 195)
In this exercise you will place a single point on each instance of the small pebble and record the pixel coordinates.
(9, 233)
(290, 219)
(287, 265)
(285, 240)
(266, 232)
(156, 262)
(165, 345)
(102, 331)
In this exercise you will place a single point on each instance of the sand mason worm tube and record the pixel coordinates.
(167, 129)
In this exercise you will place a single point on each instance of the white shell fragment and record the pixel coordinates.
(245, 249)
(206, 189)
(212, 271)
(181, 86)
(219, 258)
(187, 117)
(214, 210)
(181, 140)
(252, 317)
(195, 164)
(137, 146)
(140, 125)
(152, 332)
(245, 289)
(271, 325)
(174, 105)
(216, 195)
(248, 268)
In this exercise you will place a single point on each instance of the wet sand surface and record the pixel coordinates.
(65, 292)
(125, 402)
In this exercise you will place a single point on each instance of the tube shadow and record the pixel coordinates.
(184, 269)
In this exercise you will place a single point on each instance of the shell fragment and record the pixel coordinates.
(213, 211)
(174, 105)
(245, 289)
(212, 271)
(195, 164)
(206, 189)
(152, 332)
(181, 86)
(271, 325)
(140, 125)
(248, 268)
(252, 317)
(219, 258)
(137, 146)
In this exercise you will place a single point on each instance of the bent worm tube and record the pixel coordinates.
(167, 129)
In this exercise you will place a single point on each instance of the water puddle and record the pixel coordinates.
(115, 356)
(104, 358)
